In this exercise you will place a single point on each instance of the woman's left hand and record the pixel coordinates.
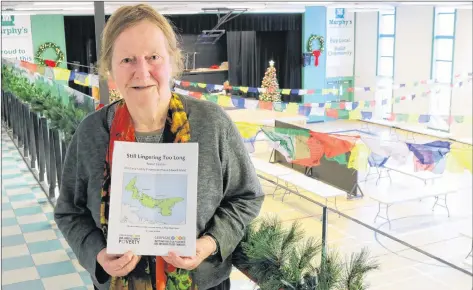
(205, 246)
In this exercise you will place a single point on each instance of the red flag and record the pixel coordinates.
(316, 54)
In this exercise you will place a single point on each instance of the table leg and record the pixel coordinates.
(380, 216)
(271, 156)
(444, 205)
(277, 186)
(469, 254)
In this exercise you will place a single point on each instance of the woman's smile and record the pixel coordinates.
(142, 88)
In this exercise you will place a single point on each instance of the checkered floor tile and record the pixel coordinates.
(34, 252)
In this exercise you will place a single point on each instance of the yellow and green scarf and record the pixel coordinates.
(141, 278)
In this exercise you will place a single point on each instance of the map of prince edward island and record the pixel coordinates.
(154, 199)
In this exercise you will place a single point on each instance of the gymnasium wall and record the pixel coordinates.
(413, 55)
(366, 45)
(413, 61)
(462, 64)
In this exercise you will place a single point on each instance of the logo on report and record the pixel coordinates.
(129, 239)
(173, 241)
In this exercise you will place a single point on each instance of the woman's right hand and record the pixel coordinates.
(117, 265)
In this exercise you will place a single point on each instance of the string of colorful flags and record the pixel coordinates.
(58, 90)
(92, 80)
(326, 91)
(306, 147)
(325, 111)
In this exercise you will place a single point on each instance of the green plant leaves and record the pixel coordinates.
(280, 257)
(38, 94)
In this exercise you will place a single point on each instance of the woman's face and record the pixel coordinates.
(141, 65)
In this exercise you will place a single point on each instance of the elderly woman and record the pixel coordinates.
(141, 55)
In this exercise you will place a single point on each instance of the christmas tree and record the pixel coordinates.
(270, 83)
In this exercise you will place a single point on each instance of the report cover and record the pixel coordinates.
(153, 201)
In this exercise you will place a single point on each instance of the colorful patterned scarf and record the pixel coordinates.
(167, 276)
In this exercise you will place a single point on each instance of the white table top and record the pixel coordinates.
(313, 185)
(402, 192)
(270, 168)
(423, 131)
(467, 233)
(381, 122)
(409, 170)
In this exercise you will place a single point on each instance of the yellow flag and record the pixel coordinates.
(302, 150)
(463, 157)
(96, 93)
(354, 115)
(359, 157)
(61, 74)
(247, 130)
(286, 91)
(201, 85)
(292, 108)
(413, 118)
(225, 101)
(40, 70)
(244, 89)
(82, 79)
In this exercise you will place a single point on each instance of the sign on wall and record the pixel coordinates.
(17, 41)
(340, 45)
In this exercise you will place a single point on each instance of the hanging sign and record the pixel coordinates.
(17, 41)
(340, 43)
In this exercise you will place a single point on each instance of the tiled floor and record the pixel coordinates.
(34, 253)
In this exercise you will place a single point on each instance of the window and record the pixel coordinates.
(385, 66)
(442, 66)
(387, 24)
(386, 36)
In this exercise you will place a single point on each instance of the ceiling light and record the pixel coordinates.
(174, 12)
(53, 8)
(61, 3)
(281, 10)
(307, 3)
(436, 3)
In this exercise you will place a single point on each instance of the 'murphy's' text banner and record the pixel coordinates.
(17, 41)
(340, 43)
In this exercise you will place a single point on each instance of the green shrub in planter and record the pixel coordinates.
(65, 118)
(282, 258)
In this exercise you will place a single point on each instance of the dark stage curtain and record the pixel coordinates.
(194, 24)
(249, 53)
(283, 47)
(80, 45)
(242, 58)
(291, 71)
(234, 56)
